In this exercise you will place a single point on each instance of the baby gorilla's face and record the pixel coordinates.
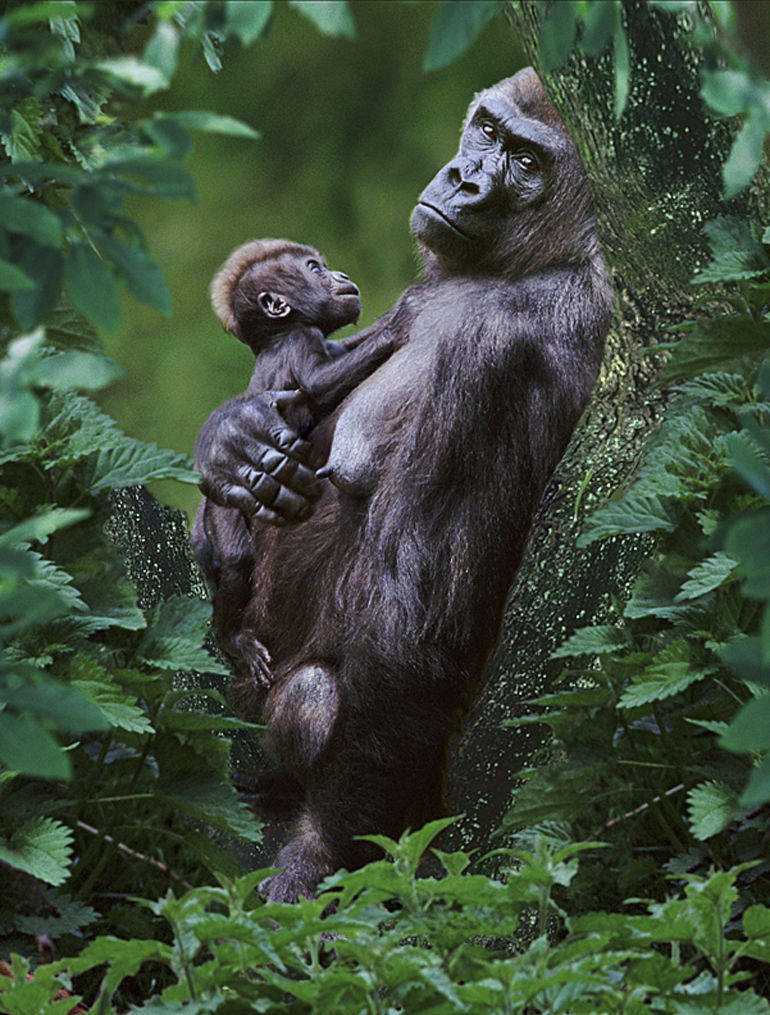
(318, 296)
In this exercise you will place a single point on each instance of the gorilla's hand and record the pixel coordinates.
(252, 461)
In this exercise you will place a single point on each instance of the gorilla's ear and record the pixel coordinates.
(274, 305)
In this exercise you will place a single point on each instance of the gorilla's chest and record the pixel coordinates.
(372, 420)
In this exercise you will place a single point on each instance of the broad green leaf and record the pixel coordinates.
(711, 806)
(745, 658)
(599, 23)
(454, 28)
(142, 275)
(214, 802)
(63, 705)
(557, 34)
(134, 72)
(132, 462)
(117, 708)
(745, 154)
(593, 640)
(713, 342)
(748, 539)
(71, 916)
(757, 791)
(175, 635)
(26, 122)
(22, 215)
(332, 17)
(27, 748)
(633, 512)
(707, 576)
(162, 51)
(212, 123)
(150, 174)
(750, 729)
(735, 252)
(247, 21)
(13, 279)
(39, 527)
(728, 92)
(44, 265)
(756, 922)
(74, 369)
(41, 847)
(661, 681)
(92, 287)
(749, 462)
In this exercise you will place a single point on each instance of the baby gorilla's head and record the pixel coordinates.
(267, 287)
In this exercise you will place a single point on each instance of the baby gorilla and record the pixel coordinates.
(281, 300)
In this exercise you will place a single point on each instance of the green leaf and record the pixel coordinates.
(151, 174)
(756, 922)
(557, 34)
(117, 708)
(214, 802)
(27, 748)
(211, 123)
(92, 287)
(41, 847)
(707, 576)
(71, 917)
(26, 122)
(132, 463)
(247, 21)
(750, 729)
(593, 640)
(749, 462)
(712, 806)
(622, 68)
(714, 342)
(142, 275)
(65, 706)
(332, 17)
(599, 25)
(453, 30)
(162, 51)
(44, 265)
(757, 790)
(748, 539)
(175, 635)
(728, 92)
(633, 512)
(133, 72)
(661, 681)
(22, 215)
(745, 658)
(13, 279)
(735, 252)
(74, 369)
(746, 154)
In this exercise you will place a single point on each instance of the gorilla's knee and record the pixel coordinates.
(301, 710)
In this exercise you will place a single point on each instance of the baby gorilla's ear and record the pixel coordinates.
(274, 305)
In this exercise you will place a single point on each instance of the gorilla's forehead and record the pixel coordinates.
(525, 96)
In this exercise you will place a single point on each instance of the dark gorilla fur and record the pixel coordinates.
(381, 609)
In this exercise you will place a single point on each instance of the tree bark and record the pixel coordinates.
(656, 178)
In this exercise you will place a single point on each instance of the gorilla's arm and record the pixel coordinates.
(252, 461)
(329, 381)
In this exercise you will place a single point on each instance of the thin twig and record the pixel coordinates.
(638, 810)
(133, 852)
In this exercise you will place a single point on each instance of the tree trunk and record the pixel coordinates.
(656, 178)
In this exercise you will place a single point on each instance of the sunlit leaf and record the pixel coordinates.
(247, 21)
(41, 847)
(745, 154)
(711, 806)
(332, 17)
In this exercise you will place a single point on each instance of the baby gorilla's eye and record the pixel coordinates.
(314, 266)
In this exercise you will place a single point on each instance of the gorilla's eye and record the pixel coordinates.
(489, 129)
(526, 161)
(314, 266)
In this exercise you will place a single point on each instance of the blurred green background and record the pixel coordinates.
(351, 131)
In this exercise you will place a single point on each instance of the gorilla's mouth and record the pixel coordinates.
(438, 213)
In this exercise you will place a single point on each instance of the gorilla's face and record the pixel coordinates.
(476, 209)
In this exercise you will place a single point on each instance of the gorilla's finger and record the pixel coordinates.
(265, 514)
(291, 505)
(238, 497)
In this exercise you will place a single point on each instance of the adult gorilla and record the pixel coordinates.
(381, 608)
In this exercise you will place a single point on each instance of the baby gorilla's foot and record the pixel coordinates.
(250, 659)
